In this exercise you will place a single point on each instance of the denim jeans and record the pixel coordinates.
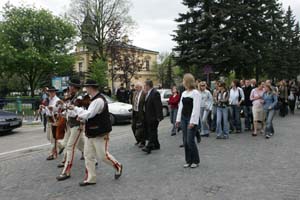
(203, 121)
(222, 115)
(248, 116)
(190, 146)
(214, 118)
(235, 113)
(173, 115)
(269, 121)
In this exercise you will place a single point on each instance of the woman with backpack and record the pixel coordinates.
(270, 101)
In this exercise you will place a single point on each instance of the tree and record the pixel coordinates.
(98, 72)
(101, 23)
(126, 62)
(166, 70)
(35, 44)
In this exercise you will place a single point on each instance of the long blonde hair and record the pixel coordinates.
(188, 81)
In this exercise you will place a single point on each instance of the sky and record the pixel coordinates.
(154, 18)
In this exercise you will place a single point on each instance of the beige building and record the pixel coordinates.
(84, 59)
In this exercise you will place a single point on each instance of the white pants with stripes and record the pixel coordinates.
(97, 149)
(74, 139)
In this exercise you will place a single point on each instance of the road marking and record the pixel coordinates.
(24, 149)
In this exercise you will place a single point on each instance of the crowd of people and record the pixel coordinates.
(81, 121)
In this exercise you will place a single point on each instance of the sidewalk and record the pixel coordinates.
(241, 168)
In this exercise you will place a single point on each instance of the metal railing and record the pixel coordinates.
(25, 108)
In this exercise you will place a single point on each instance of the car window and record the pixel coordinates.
(167, 94)
(108, 99)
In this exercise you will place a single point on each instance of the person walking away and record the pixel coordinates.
(173, 102)
(153, 115)
(97, 129)
(256, 97)
(137, 125)
(293, 90)
(247, 106)
(270, 101)
(222, 102)
(188, 118)
(206, 103)
(283, 98)
(122, 94)
(236, 97)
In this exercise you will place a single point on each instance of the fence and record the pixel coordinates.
(26, 108)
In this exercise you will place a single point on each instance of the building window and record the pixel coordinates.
(80, 67)
(147, 65)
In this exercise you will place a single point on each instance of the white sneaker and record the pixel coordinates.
(194, 165)
(186, 165)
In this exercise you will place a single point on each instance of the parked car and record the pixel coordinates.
(165, 95)
(119, 112)
(9, 121)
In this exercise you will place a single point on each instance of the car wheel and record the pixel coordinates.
(112, 119)
(165, 112)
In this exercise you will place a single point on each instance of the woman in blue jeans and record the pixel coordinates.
(188, 117)
(222, 98)
(270, 101)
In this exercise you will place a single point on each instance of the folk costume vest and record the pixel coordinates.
(100, 124)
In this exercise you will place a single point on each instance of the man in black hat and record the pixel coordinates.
(50, 111)
(73, 137)
(97, 129)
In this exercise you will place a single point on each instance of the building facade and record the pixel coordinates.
(84, 60)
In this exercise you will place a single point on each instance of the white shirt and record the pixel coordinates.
(194, 94)
(136, 103)
(235, 94)
(96, 107)
(52, 104)
(206, 99)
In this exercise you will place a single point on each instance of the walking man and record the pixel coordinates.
(153, 115)
(97, 129)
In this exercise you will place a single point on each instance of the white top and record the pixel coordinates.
(235, 94)
(194, 94)
(96, 107)
(136, 103)
(52, 104)
(206, 99)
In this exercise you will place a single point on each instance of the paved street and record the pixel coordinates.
(241, 168)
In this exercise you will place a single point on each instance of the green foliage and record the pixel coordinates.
(98, 72)
(248, 37)
(35, 44)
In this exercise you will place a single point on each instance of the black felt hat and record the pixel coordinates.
(52, 89)
(91, 83)
(75, 82)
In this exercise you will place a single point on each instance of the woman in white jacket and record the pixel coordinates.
(206, 103)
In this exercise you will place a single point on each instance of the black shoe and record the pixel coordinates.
(206, 135)
(51, 157)
(62, 177)
(61, 165)
(156, 148)
(82, 184)
(238, 131)
(219, 137)
(173, 134)
(61, 150)
(181, 146)
(118, 174)
(147, 150)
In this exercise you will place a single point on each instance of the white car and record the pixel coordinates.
(119, 112)
(165, 95)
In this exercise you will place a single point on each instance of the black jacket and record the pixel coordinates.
(153, 107)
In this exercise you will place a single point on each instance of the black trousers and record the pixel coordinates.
(138, 127)
(152, 134)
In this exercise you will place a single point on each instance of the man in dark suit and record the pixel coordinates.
(153, 115)
(137, 125)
